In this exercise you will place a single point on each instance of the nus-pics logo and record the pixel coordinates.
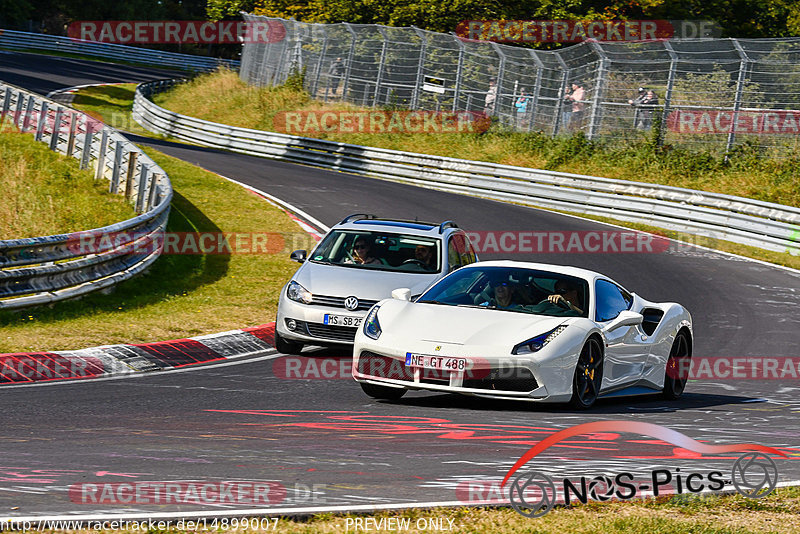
(533, 493)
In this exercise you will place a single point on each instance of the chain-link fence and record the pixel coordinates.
(703, 93)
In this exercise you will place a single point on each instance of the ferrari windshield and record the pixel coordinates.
(512, 289)
(380, 250)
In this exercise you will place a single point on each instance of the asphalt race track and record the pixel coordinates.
(320, 442)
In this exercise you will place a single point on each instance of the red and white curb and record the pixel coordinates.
(111, 360)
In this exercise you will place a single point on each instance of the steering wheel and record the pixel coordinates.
(350, 256)
(562, 302)
(415, 261)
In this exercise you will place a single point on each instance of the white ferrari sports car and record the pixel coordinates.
(524, 331)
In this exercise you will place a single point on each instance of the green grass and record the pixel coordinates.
(45, 193)
(111, 104)
(181, 295)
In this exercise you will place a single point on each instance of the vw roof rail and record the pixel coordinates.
(357, 217)
(445, 225)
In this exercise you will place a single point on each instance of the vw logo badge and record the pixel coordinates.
(351, 303)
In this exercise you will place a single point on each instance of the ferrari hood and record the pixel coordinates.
(462, 325)
(364, 283)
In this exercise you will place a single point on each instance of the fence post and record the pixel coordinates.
(537, 89)
(737, 103)
(459, 71)
(501, 71)
(56, 128)
(20, 106)
(101, 156)
(599, 86)
(322, 55)
(42, 121)
(420, 65)
(350, 57)
(673, 67)
(277, 74)
(380, 66)
(561, 92)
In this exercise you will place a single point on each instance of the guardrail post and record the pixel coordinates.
(41, 122)
(737, 103)
(56, 128)
(20, 106)
(101, 156)
(153, 196)
(73, 128)
(114, 186)
(142, 185)
(132, 158)
(599, 87)
(88, 139)
(423, 44)
(350, 57)
(459, 71)
(28, 110)
(6, 103)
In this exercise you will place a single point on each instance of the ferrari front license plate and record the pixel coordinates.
(342, 320)
(435, 362)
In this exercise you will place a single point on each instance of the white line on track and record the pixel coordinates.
(237, 360)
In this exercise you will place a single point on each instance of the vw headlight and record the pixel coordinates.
(535, 344)
(372, 328)
(298, 293)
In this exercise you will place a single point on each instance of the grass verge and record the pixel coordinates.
(182, 294)
(46, 193)
(221, 96)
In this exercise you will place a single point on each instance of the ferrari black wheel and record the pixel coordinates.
(588, 375)
(677, 372)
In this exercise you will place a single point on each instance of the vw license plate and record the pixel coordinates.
(342, 320)
(443, 363)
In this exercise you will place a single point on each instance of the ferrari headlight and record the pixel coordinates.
(298, 293)
(372, 328)
(535, 344)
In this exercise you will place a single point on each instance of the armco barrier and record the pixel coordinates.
(740, 220)
(47, 269)
(15, 40)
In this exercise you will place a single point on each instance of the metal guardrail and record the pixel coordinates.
(741, 220)
(16, 40)
(41, 270)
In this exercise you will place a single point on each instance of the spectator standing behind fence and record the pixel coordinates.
(335, 72)
(522, 108)
(574, 100)
(645, 103)
(491, 98)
